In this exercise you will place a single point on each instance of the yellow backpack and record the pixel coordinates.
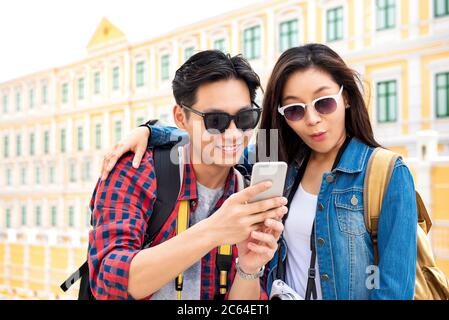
(431, 282)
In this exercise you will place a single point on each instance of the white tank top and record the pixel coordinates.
(298, 228)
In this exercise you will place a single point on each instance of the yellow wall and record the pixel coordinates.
(440, 192)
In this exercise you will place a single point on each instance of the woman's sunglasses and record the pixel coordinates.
(323, 105)
(245, 119)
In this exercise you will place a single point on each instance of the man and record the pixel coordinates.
(215, 105)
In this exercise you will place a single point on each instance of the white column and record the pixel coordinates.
(106, 130)
(203, 40)
(311, 20)
(60, 224)
(127, 68)
(69, 136)
(174, 62)
(427, 152)
(414, 92)
(235, 38)
(359, 21)
(87, 131)
(87, 85)
(45, 221)
(54, 137)
(270, 38)
(152, 63)
(126, 120)
(414, 19)
(151, 112)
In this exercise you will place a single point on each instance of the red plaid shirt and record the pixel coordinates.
(122, 206)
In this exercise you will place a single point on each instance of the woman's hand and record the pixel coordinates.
(136, 141)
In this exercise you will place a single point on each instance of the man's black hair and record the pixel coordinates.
(210, 66)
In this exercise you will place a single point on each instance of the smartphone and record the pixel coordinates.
(269, 171)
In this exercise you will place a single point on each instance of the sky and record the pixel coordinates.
(37, 35)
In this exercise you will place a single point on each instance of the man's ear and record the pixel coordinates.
(180, 117)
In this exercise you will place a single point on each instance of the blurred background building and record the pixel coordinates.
(56, 125)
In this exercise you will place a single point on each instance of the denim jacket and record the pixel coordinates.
(343, 244)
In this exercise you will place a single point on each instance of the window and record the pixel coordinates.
(65, 93)
(386, 14)
(441, 8)
(288, 34)
(54, 217)
(80, 138)
(46, 142)
(31, 98)
(44, 93)
(19, 145)
(220, 44)
(71, 216)
(140, 74)
(188, 52)
(81, 89)
(8, 218)
(139, 121)
(117, 131)
(72, 172)
(18, 101)
(38, 216)
(5, 103)
(63, 140)
(252, 43)
(38, 175)
(97, 83)
(24, 216)
(86, 171)
(98, 136)
(51, 175)
(115, 78)
(23, 176)
(387, 101)
(32, 146)
(165, 67)
(8, 176)
(6, 146)
(442, 95)
(335, 24)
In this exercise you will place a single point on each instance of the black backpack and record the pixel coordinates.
(168, 186)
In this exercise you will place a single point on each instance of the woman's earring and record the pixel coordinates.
(348, 106)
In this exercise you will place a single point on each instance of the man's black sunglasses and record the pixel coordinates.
(246, 119)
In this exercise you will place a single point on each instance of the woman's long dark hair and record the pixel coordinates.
(318, 56)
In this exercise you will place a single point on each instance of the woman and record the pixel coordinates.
(316, 103)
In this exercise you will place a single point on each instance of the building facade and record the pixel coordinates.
(56, 125)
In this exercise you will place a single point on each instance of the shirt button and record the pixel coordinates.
(320, 206)
(321, 241)
(325, 277)
(330, 179)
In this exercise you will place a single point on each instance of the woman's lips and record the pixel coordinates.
(318, 136)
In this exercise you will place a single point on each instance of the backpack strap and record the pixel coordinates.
(377, 177)
(182, 223)
(168, 176)
(224, 252)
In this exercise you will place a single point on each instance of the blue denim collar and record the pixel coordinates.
(353, 159)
